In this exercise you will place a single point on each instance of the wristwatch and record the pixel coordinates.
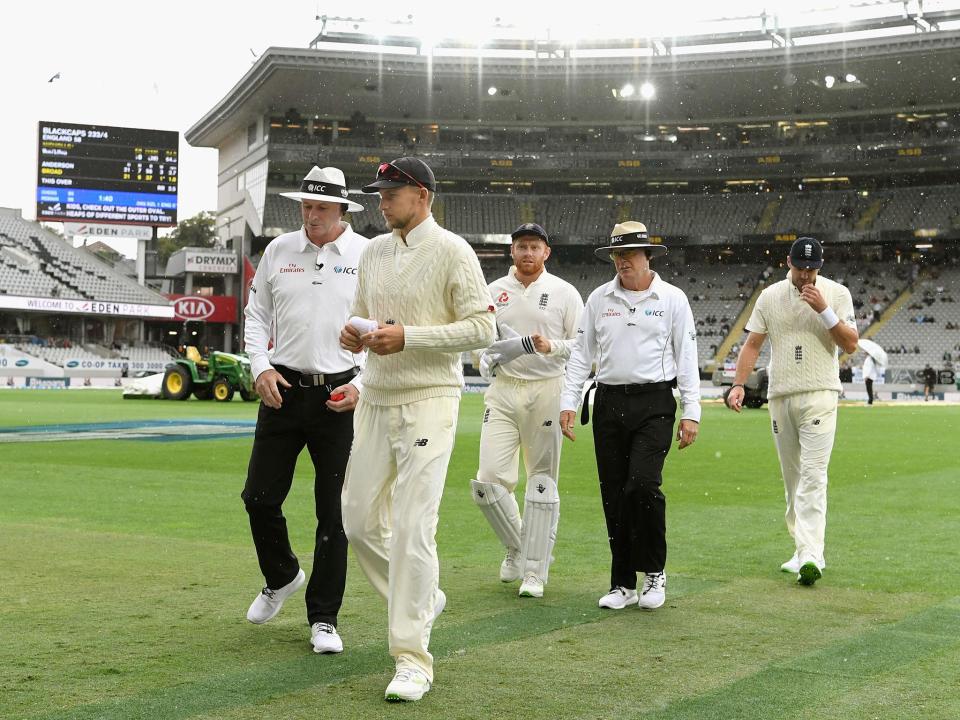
(739, 385)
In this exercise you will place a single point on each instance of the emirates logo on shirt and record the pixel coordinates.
(292, 268)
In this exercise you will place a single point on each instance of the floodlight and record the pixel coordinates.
(828, 81)
(627, 90)
(850, 78)
(647, 91)
(491, 91)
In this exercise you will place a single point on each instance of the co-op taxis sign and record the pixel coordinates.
(85, 307)
(211, 263)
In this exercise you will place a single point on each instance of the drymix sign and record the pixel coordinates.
(212, 263)
(85, 307)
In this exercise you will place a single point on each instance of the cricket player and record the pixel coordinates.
(541, 311)
(807, 317)
(424, 286)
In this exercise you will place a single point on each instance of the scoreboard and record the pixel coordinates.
(102, 174)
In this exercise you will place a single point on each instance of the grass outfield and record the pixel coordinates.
(128, 567)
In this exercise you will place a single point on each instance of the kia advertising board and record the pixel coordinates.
(213, 308)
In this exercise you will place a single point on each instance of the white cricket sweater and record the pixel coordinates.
(439, 296)
(804, 356)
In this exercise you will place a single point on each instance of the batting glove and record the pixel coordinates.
(512, 346)
(488, 363)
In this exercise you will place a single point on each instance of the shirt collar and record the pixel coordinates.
(655, 290)
(512, 272)
(340, 244)
(418, 234)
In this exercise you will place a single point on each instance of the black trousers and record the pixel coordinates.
(302, 420)
(632, 435)
(869, 383)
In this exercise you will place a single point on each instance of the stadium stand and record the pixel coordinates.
(35, 262)
(589, 217)
(926, 329)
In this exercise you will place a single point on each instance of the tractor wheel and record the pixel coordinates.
(221, 390)
(248, 396)
(202, 392)
(177, 383)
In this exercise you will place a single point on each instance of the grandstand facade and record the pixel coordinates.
(737, 153)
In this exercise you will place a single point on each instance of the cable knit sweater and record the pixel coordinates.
(803, 354)
(438, 294)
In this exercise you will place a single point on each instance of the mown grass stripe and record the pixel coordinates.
(787, 690)
(229, 690)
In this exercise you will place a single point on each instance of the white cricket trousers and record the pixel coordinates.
(520, 414)
(804, 425)
(390, 502)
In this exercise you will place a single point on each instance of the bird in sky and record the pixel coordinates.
(54, 77)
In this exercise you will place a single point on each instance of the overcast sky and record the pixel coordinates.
(162, 65)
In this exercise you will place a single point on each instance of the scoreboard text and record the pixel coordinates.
(96, 173)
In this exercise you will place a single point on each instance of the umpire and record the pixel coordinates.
(639, 330)
(299, 300)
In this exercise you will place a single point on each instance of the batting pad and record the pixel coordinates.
(500, 508)
(541, 512)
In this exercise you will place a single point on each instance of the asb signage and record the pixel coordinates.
(212, 263)
(215, 308)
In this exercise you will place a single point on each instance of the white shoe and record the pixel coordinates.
(510, 567)
(792, 565)
(654, 591)
(532, 586)
(268, 603)
(618, 598)
(325, 639)
(439, 605)
(408, 684)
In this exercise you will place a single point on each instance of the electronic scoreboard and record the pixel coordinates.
(101, 174)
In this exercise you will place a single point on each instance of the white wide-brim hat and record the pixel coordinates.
(326, 185)
(629, 235)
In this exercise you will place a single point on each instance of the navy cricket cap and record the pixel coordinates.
(400, 172)
(530, 229)
(806, 254)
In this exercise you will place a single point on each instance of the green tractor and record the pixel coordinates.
(215, 377)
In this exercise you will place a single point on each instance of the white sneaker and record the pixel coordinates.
(792, 565)
(439, 605)
(654, 591)
(532, 586)
(510, 567)
(268, 603)
(618, 598)
(325, 639)
(407, 684)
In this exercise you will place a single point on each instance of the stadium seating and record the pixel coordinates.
(60, 270)
(589, 218)
(921, 323)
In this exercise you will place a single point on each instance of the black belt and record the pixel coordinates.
(312, 380)
(634, 389)
(639, 388)
(331, 380)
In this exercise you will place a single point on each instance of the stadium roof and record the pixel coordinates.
(725, 77)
